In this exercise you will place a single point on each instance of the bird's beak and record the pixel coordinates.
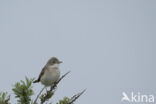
(60, 62)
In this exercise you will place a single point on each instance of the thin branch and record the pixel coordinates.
(75, 97)
(39, 94)
(55, 84)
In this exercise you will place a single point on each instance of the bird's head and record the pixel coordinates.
(53, 61)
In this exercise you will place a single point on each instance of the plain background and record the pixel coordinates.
(109, 46)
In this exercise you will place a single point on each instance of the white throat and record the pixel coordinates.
(54, 66)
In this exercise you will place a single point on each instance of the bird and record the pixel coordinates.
(50, 72)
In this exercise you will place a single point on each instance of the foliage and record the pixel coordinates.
(4, 98)
(23, 91)
(66, 100)
(46, 96)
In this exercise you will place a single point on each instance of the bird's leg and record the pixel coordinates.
(55, 83)
(53, 86)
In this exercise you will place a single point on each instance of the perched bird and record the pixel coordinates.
(50, 72)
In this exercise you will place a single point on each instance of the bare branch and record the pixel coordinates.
(55, 84)
(75, 97)
(39, 95)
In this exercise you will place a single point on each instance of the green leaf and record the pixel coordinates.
(23, 91)
(4, 98)
(65, 100)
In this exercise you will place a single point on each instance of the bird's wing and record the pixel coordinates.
(41, 73)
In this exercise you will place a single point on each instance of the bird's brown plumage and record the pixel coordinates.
(41, 73)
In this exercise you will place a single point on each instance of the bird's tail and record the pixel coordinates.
(36, 81)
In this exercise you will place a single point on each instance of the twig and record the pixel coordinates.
(75, 97)
(39, 94)
(55, 84)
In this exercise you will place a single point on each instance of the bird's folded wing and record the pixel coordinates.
(41, 73)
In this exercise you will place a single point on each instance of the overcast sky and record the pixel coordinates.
(109, 45)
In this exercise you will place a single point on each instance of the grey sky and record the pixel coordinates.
(109, 45)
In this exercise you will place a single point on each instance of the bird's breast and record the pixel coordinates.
(50, 76)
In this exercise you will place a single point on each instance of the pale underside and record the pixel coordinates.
(51, 75)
